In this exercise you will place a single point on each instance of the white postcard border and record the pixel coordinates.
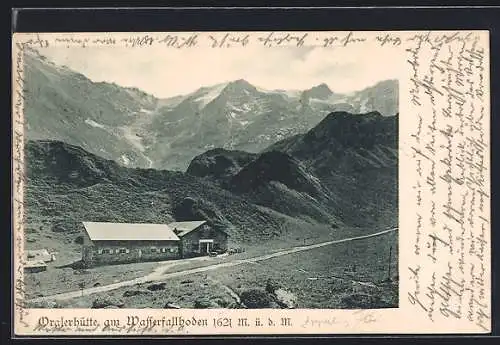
(408, 318)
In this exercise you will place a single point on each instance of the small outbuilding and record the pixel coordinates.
(40, 255)
(34, 266)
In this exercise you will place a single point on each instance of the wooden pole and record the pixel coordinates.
(389, 265)
(82, 286)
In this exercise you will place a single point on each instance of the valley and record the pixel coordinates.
(277, 170)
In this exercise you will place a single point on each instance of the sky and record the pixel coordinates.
(171, 72)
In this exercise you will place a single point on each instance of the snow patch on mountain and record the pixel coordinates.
(246, 107)
(94, 124)
(125, 160)
(209, 94)
(150, 162)
(236, 109)
(363, 107)
(320, 101)
(133, 138)
(290, 93)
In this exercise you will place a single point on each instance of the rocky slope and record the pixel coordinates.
(219, 164)
(343, 142)
(240, 116)
(341, 173)
(138, 130)
(64, 105)
(346, 166)
(67, 185)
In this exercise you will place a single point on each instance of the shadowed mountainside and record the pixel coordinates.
(67, 185)
(346, 166)
(254, 196)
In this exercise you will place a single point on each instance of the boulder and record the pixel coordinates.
(156, 287)
(285, 298)
(272, 286)
(205, 303)
(130, 293)
(43, 304)
(170, 305)
(224, 301)
(256, 299)
(102, 302)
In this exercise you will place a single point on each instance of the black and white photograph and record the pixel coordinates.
(188, 179)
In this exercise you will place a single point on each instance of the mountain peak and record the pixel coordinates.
(322, 86)
(346, 142)
(240, 84)
(321, 91)
(238, 87)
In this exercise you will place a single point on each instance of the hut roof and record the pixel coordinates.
(101, 231)
(184, 228)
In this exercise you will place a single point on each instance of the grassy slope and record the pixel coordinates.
(57, 203)
(67, 185)
(320, 278)
(375, 197)
(331, 269)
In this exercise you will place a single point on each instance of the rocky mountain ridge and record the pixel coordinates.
(139, 130)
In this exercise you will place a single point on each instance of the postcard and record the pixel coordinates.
(251, 183)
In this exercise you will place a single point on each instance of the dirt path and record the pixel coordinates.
(157, 274)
